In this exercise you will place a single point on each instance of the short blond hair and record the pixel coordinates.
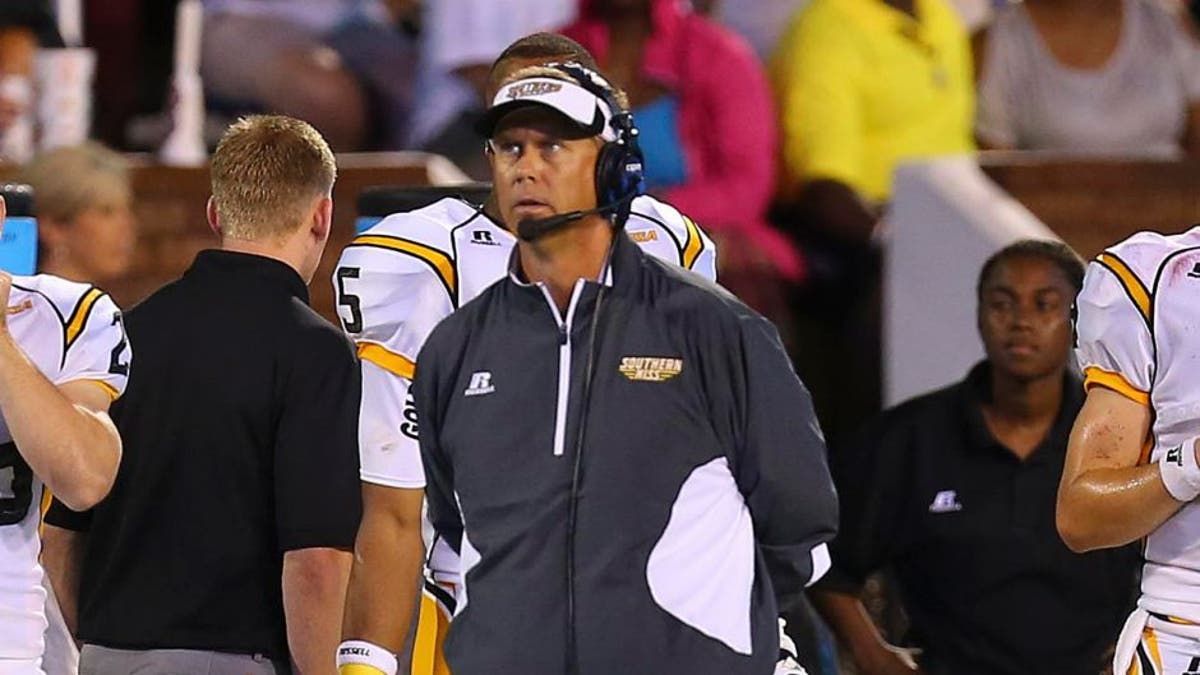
(266, 170)
(71, 179)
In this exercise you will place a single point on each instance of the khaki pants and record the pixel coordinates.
(95, 660)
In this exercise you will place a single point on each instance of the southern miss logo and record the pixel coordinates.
(650, 368)
(527, 89)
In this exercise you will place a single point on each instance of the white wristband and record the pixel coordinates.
(367, 654)
(1180, 473)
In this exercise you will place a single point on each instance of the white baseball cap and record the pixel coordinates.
(570, 99)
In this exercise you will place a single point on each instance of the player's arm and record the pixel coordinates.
(385, 578)
(63, 432)
(388, 302)
(1109, 496)
(1105, 498)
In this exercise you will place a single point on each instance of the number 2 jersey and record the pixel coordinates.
(72, 333)
(1138, 331)
(399, 279)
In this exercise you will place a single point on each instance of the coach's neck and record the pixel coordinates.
(560, 258)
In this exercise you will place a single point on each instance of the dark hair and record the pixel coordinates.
(545, 46)
(1054, 252)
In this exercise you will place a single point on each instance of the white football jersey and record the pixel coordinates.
(1138, 333)
(395, 282)
(71, 332)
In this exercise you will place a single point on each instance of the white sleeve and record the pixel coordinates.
(388, 303)
(694, 249)
(96, 347)
(705, 262)
(1113, 343)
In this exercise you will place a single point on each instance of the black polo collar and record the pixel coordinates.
(262, 268)
(976, 390)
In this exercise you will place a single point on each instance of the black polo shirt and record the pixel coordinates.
(240, 444)
(968, 530)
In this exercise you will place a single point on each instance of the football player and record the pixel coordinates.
(1131, 470)
(63, 360)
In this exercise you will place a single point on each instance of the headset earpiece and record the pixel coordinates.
(619, 167)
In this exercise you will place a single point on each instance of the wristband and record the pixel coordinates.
(359, 657)
(1180, 473)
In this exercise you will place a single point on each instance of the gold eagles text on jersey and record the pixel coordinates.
(650, 368)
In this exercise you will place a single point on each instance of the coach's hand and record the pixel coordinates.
(788, 666)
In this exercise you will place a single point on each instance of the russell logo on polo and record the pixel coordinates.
(945, 501)
(481, 383)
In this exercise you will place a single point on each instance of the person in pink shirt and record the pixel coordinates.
(708, 129)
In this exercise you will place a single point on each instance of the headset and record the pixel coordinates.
(620, 172)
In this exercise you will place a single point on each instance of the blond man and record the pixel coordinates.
(224, 547)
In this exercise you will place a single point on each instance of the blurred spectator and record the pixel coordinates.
(864, 85)
(24, 26)
(83, 202)
(761, 22)
(1094, 76)
(954, 492)
(459, 41)
(708, 130)
(342, 65)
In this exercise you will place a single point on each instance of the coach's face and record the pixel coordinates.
(542, 165)
(1025, 317)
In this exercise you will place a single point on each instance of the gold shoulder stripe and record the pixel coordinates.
(79, 317)
(439, 261)
(1133, 286)
(694, 243)
(1093, 376)
(388, 360)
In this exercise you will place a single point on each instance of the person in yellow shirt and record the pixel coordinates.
(862, 86)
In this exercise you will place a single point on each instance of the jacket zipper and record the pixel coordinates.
(564, 362)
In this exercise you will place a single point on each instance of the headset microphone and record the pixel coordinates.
(531, 229)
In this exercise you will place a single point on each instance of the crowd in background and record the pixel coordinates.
(776, 124)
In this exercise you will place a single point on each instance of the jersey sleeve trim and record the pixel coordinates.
(387, 481)
(388, 360)
(694, 245)
(441, 263)
(1133, 286)
(1094, 376)
(79, 315)
(113, 392)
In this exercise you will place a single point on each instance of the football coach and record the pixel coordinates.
(619, 451)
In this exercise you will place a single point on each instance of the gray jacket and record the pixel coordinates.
(664, 538)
